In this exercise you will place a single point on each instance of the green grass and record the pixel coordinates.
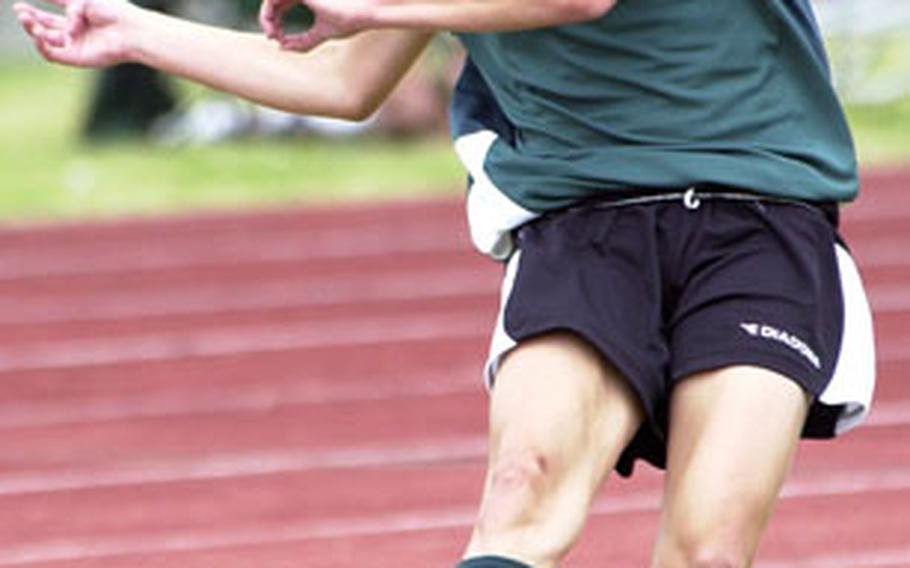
(882, 132)
(46, 173)
(865, 67)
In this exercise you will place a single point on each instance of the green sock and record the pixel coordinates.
(491, 562)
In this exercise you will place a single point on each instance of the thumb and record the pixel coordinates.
(271, 14)
(75, 18)
(305, 41)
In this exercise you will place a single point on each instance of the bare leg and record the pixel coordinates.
(733, 434)
(559, 418)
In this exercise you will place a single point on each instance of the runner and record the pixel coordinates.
(662, 180)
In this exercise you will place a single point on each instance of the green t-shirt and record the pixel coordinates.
(657, 95)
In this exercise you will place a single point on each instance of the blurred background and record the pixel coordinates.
(203, 150)
(75, 143)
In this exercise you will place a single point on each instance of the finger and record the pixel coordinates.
(45, 18)
(42, 49)
(44, 39)
(29, 22)
(282, 7)
(51, 20)
(54, 53)
(54, 46)
(21, 9)
(53, 38)
(271, 16)
(267, 19)
(41, 36)
(304, 42)
(18, 6)
(75, 17)
(50, 42)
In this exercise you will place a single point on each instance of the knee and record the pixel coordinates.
(705, 551)
(716, 558)
(523, 514)
(518, 483)
(525, 469)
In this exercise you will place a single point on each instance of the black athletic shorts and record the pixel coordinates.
(665, 286)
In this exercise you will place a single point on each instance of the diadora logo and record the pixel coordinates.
(752, 329)
(763, 331)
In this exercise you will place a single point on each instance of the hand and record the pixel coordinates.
(333, 19)
(90, 33)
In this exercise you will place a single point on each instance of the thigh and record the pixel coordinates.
(560, 416)
(591, 272)
(732, 436)
(556, 394)
(764, 289)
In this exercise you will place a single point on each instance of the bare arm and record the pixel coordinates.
(483, 15)
(342, 18)
(347, 79)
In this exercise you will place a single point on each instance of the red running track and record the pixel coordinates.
(301, 389)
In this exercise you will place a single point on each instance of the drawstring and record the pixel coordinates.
(692, 199)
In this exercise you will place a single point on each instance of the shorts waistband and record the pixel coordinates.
(693, 197)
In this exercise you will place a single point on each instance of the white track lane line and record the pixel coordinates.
(889, 298)
(238, 248)
(352, 332)
(887, 413)
(170, 346)
(186, 541)
(240, 464)
(246, 463)
(226, 250)
(869, 211)
(293, 293)
(229, 399)
(286, 393)
(263, 294)
(871, 254)
(877, 558)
